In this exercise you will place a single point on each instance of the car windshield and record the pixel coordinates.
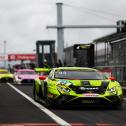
(78, 74)
(26, 72)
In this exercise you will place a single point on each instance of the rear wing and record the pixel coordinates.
(42, 69)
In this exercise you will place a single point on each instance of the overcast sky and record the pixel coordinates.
(23, 22)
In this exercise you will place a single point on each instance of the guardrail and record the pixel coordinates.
(123, 84)
(124, 91)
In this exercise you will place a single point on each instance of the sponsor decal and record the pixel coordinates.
(88, 101)
(50, 95)
(88, 88)
(91, 95)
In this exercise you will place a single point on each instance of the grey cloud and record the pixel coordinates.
(22, 22)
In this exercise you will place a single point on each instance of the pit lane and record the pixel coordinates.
(14, 108)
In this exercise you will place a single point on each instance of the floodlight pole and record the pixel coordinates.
(5, 53)
(60, 30)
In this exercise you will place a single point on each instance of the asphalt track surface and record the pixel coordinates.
(16, 109)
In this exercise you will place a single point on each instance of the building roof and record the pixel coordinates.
(110, 37)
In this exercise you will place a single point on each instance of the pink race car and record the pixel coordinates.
(25, 76)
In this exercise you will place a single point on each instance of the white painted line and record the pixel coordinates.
(124, 99)
(42, 108)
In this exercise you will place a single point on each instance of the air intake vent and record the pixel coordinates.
(85, 83)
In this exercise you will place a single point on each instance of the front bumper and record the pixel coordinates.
(6, 79)
(77, 101)
(24, 81)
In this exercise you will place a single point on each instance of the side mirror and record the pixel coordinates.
(112, 78)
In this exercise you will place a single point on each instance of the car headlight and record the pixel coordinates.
(64, 89)
(112, 90)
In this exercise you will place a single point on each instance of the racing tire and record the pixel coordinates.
(48, 102)
(35, 96)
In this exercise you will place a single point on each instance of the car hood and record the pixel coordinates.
(6, 75)
(82, 82)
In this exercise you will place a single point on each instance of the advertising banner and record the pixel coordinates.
(15, 57)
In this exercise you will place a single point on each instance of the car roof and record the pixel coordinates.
(75, 68)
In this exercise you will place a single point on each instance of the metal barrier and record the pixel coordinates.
(123, 84)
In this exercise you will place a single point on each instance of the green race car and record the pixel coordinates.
(75, 86)
(6, 76)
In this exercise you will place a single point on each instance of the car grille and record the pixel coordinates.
(90, 89)
(27, 81)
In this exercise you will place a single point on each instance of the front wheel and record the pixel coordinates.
(48, 102)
